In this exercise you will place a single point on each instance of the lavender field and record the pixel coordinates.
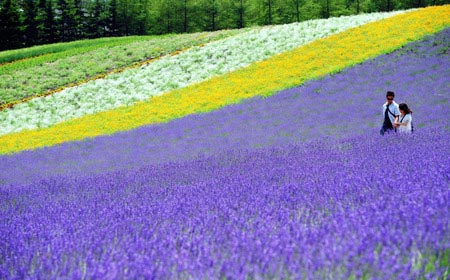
(299, 185)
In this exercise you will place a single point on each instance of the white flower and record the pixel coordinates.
(172, 72)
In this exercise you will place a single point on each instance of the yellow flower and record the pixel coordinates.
(321, 57)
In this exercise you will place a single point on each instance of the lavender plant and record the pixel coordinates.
(340, 105)
(297, 185)
(330, 209)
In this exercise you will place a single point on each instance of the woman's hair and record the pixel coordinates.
(404, 107)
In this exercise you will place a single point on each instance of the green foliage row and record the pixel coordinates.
(36, 76)
(68, 47)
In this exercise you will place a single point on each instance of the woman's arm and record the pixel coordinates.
(404, 123)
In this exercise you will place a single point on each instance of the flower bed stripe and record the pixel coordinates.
(321, 214)
(170, 72)
(34, 77)
(295, 115)
(93, 78)
(289, 69)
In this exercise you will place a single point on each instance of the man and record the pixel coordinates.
(390, 114)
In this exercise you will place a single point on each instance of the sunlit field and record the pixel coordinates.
(275, 170)
(160, 75)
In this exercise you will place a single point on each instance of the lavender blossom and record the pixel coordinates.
(297, 185)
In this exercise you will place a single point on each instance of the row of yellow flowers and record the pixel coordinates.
(265, 78)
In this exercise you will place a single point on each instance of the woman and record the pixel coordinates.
(405, 119)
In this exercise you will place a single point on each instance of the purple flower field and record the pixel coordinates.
(297, 185)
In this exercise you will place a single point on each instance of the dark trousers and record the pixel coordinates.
(383, 130)
(387, 127)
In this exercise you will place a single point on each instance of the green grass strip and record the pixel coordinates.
(43, 75)
(321, 57)
(11, 56)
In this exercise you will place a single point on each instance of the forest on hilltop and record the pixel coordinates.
(25, 23)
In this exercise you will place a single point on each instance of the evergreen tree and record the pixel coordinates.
(311, 10)
(205, 15)
(139, 22)
(326, 8)
(195, 12)
(356, 3)
(167, 16)
(10, 34)
(268, 10)
(125, 17)
(383, 5)
(113, 24)
(30, 23)
(50, 24)
(240, 11)
(229, 15)
(286, 11)
(211, 12)
(296, 4)
(66, 20)
(185, 16)
(80, 24)
(97, 20)
(413, 4)
(41, 17)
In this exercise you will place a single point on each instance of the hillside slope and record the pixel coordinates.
(290, 69)
(296, 185)
(158, 76)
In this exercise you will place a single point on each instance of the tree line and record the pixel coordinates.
(25, 23)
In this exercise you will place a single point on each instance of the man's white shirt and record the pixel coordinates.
(394, 110)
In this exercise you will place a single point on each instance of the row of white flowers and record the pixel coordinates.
(171, 72)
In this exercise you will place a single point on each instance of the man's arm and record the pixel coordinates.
(396, 123)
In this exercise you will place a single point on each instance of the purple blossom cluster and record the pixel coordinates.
(297, 185)
(330, 209)
(338, 105)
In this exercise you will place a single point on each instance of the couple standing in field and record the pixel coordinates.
(397, 117)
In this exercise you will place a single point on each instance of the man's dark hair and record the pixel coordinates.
(390, 93)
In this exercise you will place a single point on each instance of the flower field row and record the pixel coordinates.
(10, 56)
(328, 55)
(283, 212)
(48, 73)
(160, 76)
(340, 105)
